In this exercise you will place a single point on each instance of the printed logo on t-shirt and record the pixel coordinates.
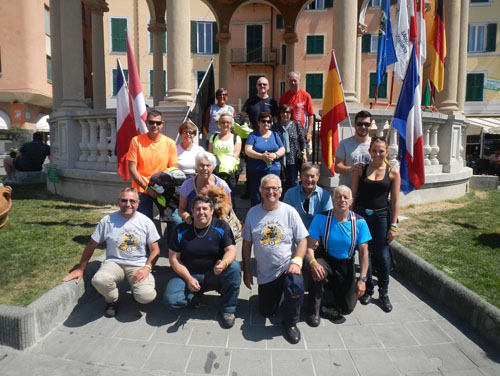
(129, 243)
(272, 235)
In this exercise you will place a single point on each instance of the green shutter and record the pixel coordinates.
(125, 72)
(314, 85)
(151, 79)
(474, 87)
(118, 34)
(164, 42)
(382, 89)
(215, 44)
(279, 21)
(315, 44)
(366, 43)
(491, 38)
(328, 3)
(194, 37)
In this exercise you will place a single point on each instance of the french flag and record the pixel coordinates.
(408, 122)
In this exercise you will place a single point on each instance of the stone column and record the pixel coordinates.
(359, 40)
(344, 42)
(290, 39)
(72, 54)
(179, 64)
(55, 53)
(447, 99)
(462, 59)
(158, 29)
(223, 40)
(98, 7)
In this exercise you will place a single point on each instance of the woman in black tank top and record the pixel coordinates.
(371, 188)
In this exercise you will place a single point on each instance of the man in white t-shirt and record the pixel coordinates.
(127, 233)
(278, 237)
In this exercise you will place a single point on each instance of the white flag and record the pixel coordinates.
(401, 40)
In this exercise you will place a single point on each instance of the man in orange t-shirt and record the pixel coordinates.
(148, 154)
(301, 102)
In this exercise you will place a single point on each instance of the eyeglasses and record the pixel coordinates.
(125, 200)
(266, 121)
(261, 84)
(187, 131)
(271, 189)
(367, 125)
(152, 122)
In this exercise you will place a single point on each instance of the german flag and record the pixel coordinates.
(334, 111)
(438, 41)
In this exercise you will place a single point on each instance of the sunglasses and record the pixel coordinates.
(262, 84)
(265, 121)
(367, 125)
(152, 122)
(125, 200)
(187, 131)
(286, 112)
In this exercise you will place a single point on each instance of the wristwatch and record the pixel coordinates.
(363, 278)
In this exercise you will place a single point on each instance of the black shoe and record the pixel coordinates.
(313, 320)
(385, 303)
(366, 298)
(227, 319)
(292, 334)
(111, 309)
(332, 314)
(195, 301)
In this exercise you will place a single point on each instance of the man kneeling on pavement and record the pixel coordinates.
(127, 233)
(338, 232)
(203, 254)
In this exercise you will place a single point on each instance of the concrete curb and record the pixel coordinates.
(21, 327)
(481, 316)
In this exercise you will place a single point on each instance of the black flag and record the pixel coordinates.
(205, 97)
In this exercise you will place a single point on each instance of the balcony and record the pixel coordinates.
(257, 56)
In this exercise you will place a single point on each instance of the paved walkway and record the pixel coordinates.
(416, 338)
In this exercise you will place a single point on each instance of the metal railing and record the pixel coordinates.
(254, 56)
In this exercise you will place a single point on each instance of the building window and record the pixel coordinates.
(479, 1)
(151, 81)
(282, 88)
(283, 54)
(375, 3)
(482, 37)
(314, 85)
(279, 22)
(199, 77)
(47, 20)
(382, 88)
(163, 43)
(203, 39)
(118, 34)
(315, 44)
(125, 72)
(320, 4)
(48, 59)
(369, 43)
(474, 91)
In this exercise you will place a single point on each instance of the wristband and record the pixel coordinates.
(312, 261)
(394, 225)
(394, 228)
(276, 154)
(185, 216)
(297, 261)
(146, 189)
(309, 134)
(149, 267)
(227, 264)
(304, 152)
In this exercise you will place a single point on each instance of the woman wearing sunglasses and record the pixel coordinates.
(371, 187)
(187, 150)
(264, 149)
(215, 110)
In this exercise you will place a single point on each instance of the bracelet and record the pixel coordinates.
(146, 189)
(149, 267)
(304, 152)
(276, 154)
(312, 261)
(297, 261)
(309, 134)
(227, 264)
(394, 228)
(185, 216)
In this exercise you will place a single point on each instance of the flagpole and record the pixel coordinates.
(197, 90)
(342, 87)
(392, 89)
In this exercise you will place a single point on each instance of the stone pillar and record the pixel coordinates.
(72, 54)
(344, 39)
(158, 29)
(462, 59)
(290, 39)
(179, 64)
(55, 53)
(98, 7)
(359, 40)
(447, 99)
(223, 40)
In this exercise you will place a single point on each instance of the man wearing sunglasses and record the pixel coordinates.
(261, 102)
(352, 153)
(148, 154)
(127, 234)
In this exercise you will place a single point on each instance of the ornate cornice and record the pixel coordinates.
(96, 6)
(157, 27)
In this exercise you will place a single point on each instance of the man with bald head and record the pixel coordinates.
(261, 102)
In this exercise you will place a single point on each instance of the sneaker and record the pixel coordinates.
(228, 319)
(366, 298)
(385, 303)
(111, 309)
(332, 314)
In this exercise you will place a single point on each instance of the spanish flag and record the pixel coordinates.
(439, 43)
(334, 111)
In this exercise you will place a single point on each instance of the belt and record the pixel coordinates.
(371, 211)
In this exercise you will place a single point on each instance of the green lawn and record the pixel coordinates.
(41, 242)
(461, 238)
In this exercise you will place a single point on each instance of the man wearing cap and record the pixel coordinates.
(278, 237)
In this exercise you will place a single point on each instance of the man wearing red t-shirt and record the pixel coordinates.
(301, 102)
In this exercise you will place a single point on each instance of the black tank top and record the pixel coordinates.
(373, 194)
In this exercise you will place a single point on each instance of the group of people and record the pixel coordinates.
(301, 242)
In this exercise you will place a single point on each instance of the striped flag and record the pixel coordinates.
(422, 32)
(438, 42)
(334, 111)
(408, 122)
(386, 55)
(137, 98)
(401, 40)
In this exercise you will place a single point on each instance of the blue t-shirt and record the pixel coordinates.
(339, 240)
(255, 105)
(261, 145)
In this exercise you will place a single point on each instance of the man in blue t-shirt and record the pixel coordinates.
(339, 232)
(202, 254)
(261, 102)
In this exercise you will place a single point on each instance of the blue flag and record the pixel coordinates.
(386, 54)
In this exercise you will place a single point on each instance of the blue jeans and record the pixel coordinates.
(254, 177)
(171, 225)
(291, 179)
(146, 205)
(378, 223)
(177, 295)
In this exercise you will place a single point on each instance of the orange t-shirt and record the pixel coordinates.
(301, 102)
(151, 156)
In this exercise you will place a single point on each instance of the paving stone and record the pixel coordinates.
(411, 360)
(291, 363)
(91, 349)
(250, 363)
(359, 337)
(370, 314)
(178, 332)
(373, 362)
(208, 335)
(333, 362)
(140, 330)
(404, 312)
(169, 357)
(467, 372)
(57, 343)
(322, 338)
(247, 336)
(394, 335)
(209, 360)
(104, 327)
(448, 357)
(129, 354)
(428, 333)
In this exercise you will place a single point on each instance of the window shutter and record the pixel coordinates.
(491, 38)
(279, 21)
(151, 83)
(164, 42)
(215, 44)
(468, 39)
(328, 3)
(194, 37)
(366, 43)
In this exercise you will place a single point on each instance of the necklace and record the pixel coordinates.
(200, 236)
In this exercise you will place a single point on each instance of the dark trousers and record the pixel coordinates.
(270, 296)
(340, 278)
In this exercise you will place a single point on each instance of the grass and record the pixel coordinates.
(41, 242)
(461, 238)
